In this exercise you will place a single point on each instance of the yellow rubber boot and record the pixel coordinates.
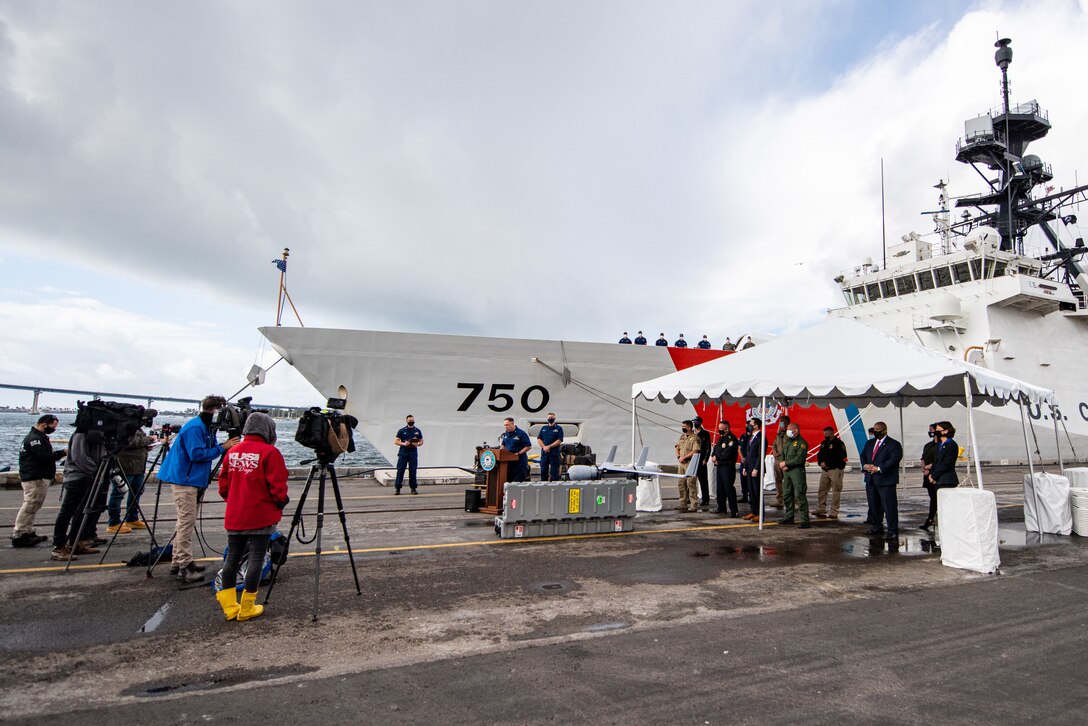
(228, 600)
(249, 607)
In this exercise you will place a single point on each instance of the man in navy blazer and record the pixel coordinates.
(880, 461)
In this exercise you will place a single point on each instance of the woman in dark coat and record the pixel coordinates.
(942, 473)
(929, 455)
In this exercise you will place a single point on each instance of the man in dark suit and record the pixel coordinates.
(751, 463)
(880, 461)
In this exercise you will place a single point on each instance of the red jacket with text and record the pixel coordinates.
(253, 480)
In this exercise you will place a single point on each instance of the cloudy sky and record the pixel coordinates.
(510, 168)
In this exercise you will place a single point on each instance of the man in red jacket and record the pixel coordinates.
(253, 480)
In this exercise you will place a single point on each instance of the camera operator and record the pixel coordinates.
(253, 480)
(85, 453)
(133, 460)
(37, 469)
(187, 468)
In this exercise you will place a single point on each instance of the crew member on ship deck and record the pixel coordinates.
(704, 344)
(640, 339)
(680, 343)
(625, 340)
(662, 340)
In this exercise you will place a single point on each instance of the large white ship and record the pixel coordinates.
(973, 294)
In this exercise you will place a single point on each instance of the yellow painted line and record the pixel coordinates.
(409, 548)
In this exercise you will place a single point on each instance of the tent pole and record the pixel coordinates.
(902, 431)
(1054, 414)
(633, 399)
(1031, 464)
(971, 428)
(762, 453)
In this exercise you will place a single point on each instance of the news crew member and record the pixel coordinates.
(187, 468)
(253, 480)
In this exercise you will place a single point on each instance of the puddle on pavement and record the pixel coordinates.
(209, 681)
(157, 619)
(1017, 536)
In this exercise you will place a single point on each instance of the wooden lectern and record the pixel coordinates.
(505, 463)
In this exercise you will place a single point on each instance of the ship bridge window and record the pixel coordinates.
(887, 287)
(872, 291)
(905, 285)
(1027, 271)
(857, 295)
(976, 269)
(943, 276)
(925, 280)
(999, 269)
(960, 272)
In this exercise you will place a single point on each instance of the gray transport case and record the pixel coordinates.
(549, 509)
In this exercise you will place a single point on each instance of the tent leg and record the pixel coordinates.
(1054, 414)
(762, 454)
(902, 431)
(971, 428)
(633, 430)
(1031, 464)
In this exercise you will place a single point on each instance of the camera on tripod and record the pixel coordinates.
(111, 423)
(327, 431)
(231, 418)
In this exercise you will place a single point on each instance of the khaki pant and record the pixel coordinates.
(34, 492)
(830, 480)
(185, 504)
(689, 492)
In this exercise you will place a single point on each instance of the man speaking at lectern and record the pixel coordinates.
(517, 441)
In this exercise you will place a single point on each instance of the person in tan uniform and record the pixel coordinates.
(778, 449)
(686, 447)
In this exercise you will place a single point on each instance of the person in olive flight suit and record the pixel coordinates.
(640, 339)
(549, 440)
(686, 447)
(794, 484)
(724, 457)
(661, 340)
(408, 440)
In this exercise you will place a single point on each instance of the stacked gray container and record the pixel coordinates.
(553, 508)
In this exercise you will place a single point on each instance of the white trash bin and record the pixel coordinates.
(967, 522)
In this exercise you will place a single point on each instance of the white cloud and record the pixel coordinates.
(455, 166)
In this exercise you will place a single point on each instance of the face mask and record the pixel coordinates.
(686, 430)
(880, 434)
(932, 434)
(551, 420)
(50, 429)
(791, 434)
(723, 432)
(411, 423)
(747, 429)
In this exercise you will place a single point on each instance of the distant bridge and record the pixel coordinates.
(96, 395)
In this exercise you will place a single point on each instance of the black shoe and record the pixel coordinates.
(786, 520)
(173, 569)
(892, 536)
(719, 511)
(414, 492)
(804, 525)
(734, 515)
(27, 539)
(190, 573)
(97, 541)
(875, 530)
(926, 525)
(396, 492)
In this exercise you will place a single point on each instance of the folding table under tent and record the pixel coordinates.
(838, 362)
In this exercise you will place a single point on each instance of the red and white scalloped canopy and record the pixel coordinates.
(837, 362)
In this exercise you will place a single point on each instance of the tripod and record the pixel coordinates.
(102, 478)
(323, 466)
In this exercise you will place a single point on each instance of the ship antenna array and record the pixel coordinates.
(282, 295)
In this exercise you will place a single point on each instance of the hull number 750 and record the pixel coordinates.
(500, 397)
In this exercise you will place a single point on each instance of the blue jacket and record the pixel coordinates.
(189, 461)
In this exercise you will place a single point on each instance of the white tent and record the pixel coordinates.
(843, 361)
(836, 362)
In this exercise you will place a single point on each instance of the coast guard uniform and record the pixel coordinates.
(661, 341)
(704, 343)
(515, 441)
(625, 340)
(681, 343)
(640, 340)
(549, 460)
(408, 457)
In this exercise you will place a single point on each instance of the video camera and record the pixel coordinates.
(327, 431)
(111, 423)
(231, 418)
